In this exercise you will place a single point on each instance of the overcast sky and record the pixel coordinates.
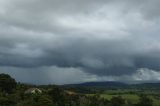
(73, 41)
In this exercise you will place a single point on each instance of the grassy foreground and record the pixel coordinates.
(130, 95)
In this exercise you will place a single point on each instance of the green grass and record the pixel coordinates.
(129, 97)
(156, 101)
(132, 98)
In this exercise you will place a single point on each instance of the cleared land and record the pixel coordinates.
(131, 95)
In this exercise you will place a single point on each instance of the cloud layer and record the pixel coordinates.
(81, 39)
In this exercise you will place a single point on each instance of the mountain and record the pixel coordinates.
(105, 84)
(147, 85)
(114, 84)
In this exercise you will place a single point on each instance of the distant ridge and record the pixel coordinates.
(114, 84)
(148, 85)
(99, 84)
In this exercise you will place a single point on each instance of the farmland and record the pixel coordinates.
(131, 95)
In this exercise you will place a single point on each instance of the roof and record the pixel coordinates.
(33, 90)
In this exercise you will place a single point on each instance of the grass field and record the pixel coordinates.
(130, 96)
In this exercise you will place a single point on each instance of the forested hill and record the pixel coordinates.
(99, 84)
(114, 84)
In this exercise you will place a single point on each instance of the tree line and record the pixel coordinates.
(12, 94)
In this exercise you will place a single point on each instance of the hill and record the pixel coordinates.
(114, 84)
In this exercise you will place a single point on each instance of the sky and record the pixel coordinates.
(74, 41)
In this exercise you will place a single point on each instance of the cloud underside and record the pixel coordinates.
(58, 41)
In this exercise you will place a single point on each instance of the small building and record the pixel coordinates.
(33, 91)
(70, 92)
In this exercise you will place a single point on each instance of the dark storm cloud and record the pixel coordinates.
(97, 37)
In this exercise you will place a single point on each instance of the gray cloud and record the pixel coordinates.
(48, 75)
(105, 38)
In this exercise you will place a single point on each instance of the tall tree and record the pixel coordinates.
(7, 83)
(145, 101)
(117, 101)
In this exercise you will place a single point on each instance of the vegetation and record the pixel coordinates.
(7, 84)
(13, 94)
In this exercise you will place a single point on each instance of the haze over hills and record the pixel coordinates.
(115, 84)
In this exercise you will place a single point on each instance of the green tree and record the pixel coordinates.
(95, 100)
(57, 95)
(45, 101)
(117, 101)
(7, 83)
(4, 101)
(26, 103)
(145, 101)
